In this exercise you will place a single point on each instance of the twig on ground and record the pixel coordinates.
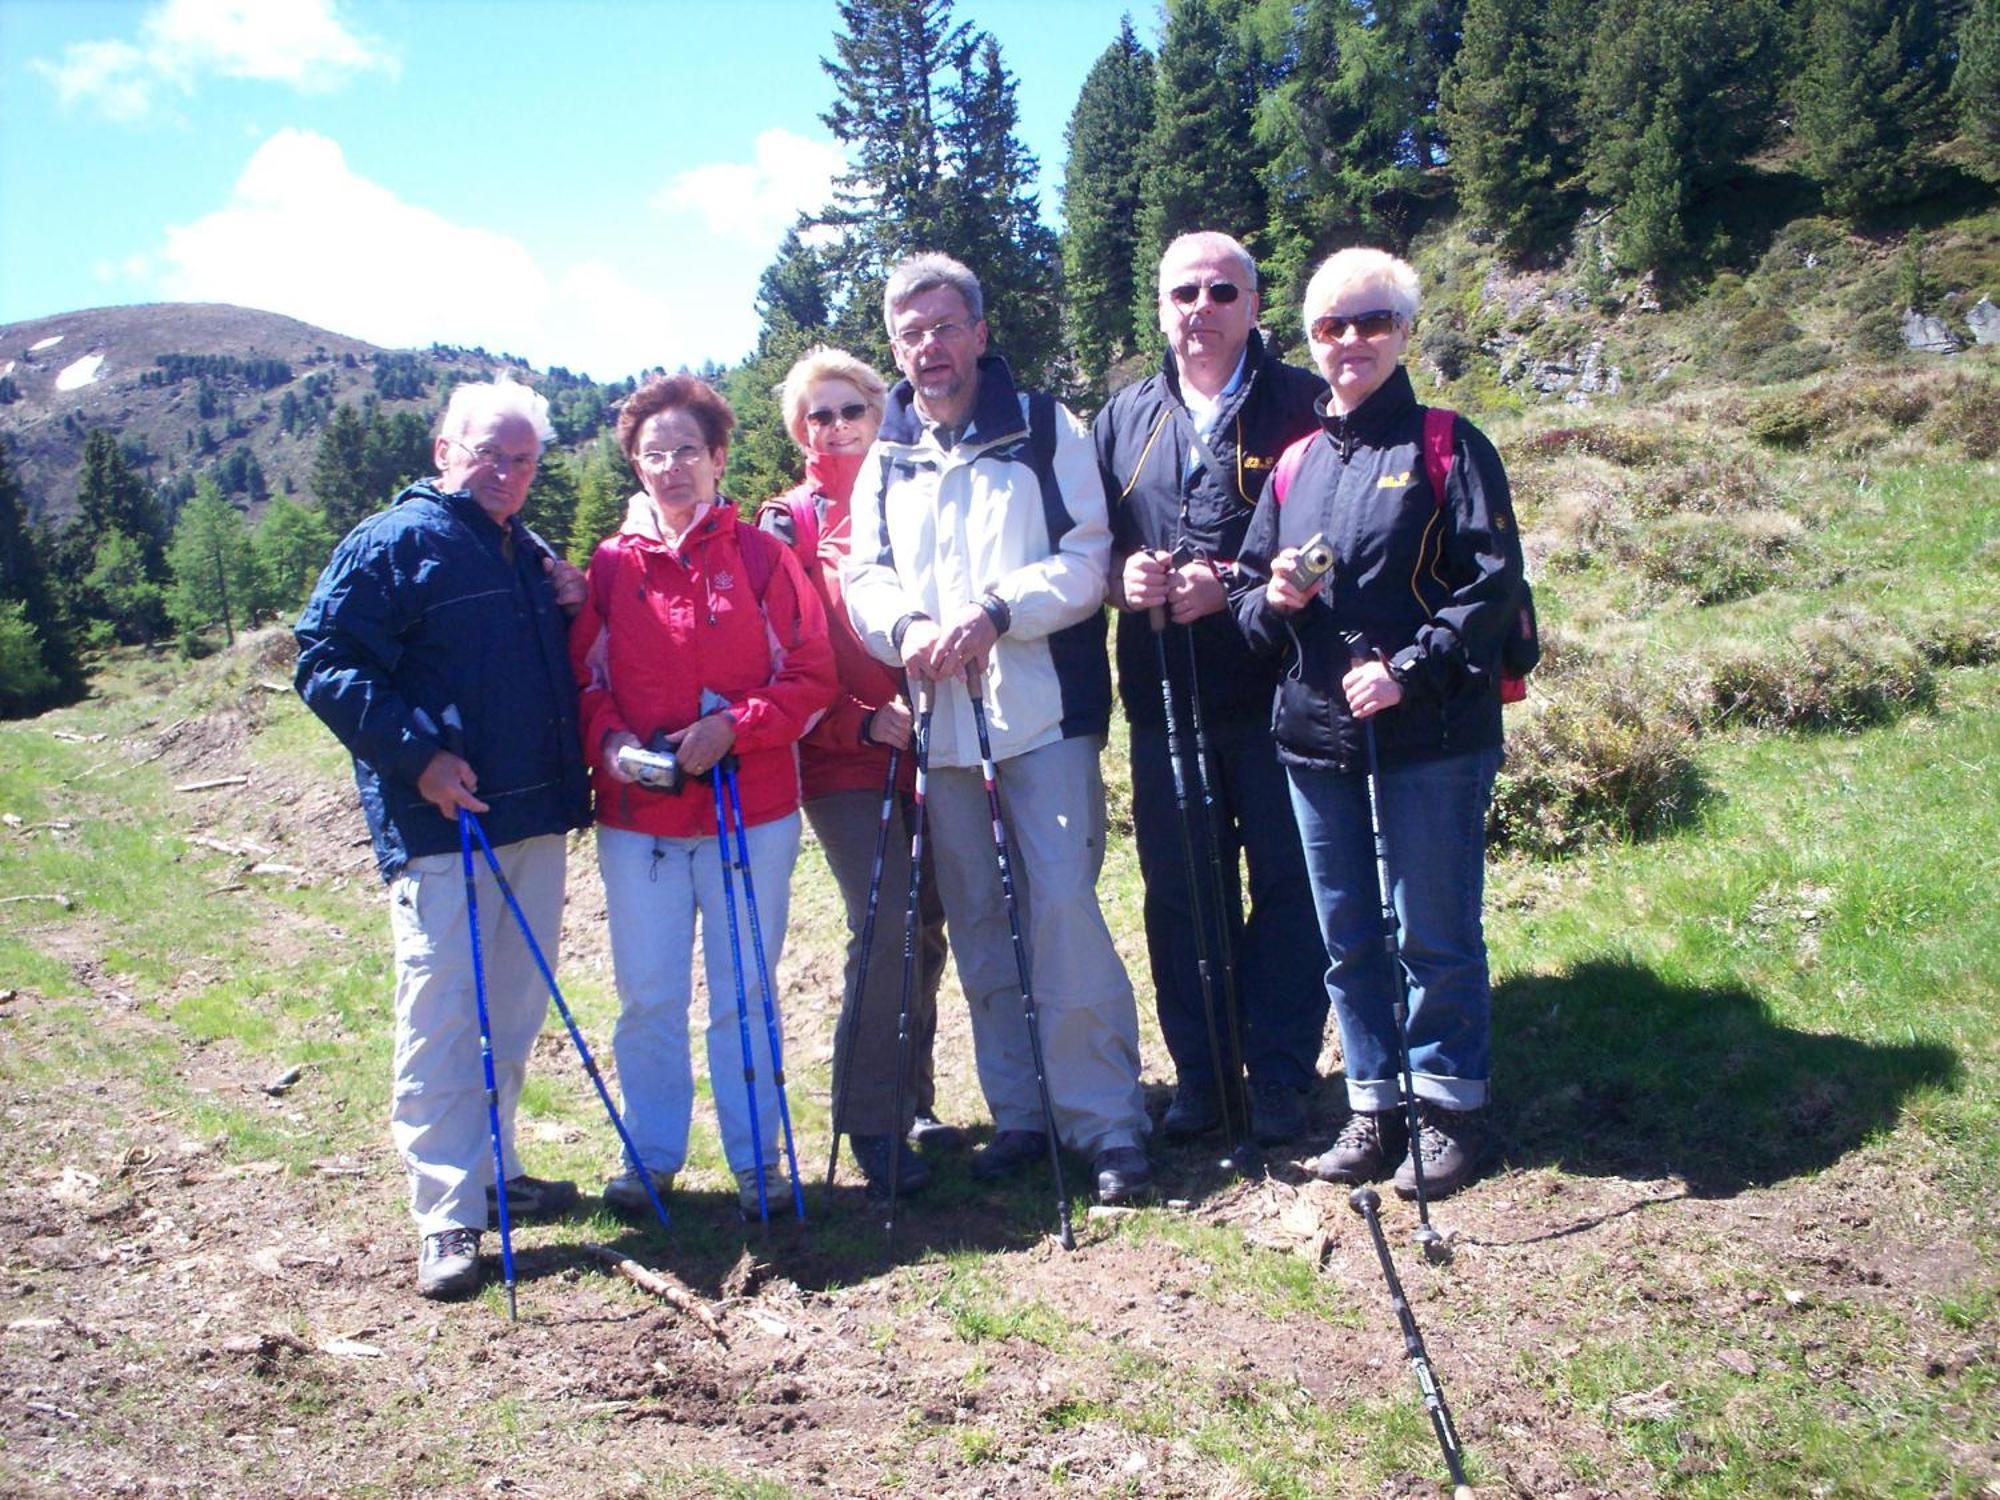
(211, 785)
(662, 1286)
(56, 896)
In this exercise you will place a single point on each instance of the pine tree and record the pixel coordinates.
(26, 683)
(794, 303)
(399, 451)
(124, 598)
(1975, 90)
(1510, 109)
(1874, 100)
(601, 491)
(1101, 183)
(113, 496)
(341, 481)
(56, 674)
(214, 567)
(1201, 162)
(1678, 93)
(292, 542)
(551, 505)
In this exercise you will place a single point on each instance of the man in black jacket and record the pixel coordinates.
(1185, 455)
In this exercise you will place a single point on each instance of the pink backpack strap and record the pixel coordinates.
(1440, 427)
(1288, 465)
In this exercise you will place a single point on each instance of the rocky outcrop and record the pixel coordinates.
(1984, 321)
(1927, 334)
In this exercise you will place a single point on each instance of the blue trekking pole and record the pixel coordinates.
(771, 1026)
(742, 996)
(465, 825)
(466, 819)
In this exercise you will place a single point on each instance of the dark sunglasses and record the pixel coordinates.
(854, 411)
(1330, 328)
(1221, 293)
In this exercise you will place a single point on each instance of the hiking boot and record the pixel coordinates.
(531, 1198)
(777, 1197)
(1123, 1175)
(1008, 1151)
(625, 1194)
(1277, 1113)
(1360, 1153)
(932, 1134)
(1194, 1111)
(872, 1153)
(1452, 1143)
(448, 1265)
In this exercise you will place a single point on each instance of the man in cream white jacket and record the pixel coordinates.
(980, 539)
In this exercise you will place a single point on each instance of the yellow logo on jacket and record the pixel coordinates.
(1394, 481)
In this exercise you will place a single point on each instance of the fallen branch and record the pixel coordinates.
(661, 1286)
(209, 786)
(56, 896)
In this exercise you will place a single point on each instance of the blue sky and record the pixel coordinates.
(592, 183)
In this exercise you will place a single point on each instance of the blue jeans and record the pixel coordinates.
(1434, 822)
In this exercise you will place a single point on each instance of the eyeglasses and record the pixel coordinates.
(685, 456)
(1331, 328)
(851, 413)
(1221, 293)
(494, 458)
(910, 340)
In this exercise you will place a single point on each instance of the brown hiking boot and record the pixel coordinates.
(1452, 1145)
(1362, 1150)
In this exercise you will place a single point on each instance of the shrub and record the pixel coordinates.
(1710, 486)
(1851, 669)
(1625, 446)
(1969, 416)
(1601, 759)
(1958, 642)
(1716, 559)
(1787, 421)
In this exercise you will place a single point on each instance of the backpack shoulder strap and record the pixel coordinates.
(760, 557)
(1440, 427)
(1288, 464)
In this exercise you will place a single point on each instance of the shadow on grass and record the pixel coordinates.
(1609, 1071)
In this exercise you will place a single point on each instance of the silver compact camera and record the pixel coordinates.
(657, 769)
(1314, 562)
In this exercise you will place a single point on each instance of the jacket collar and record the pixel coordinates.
(1255, 357)
(641, 530)
(996, 415)
(1394, 399)
(458, 502)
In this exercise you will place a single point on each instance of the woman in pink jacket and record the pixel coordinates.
(701, 635)
(832, 403)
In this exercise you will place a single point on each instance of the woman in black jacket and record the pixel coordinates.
(1400, 641)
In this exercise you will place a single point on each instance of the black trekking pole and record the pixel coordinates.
(991, 774)
(569, 1019)
(1228, 1075)
(1366, 1202)
(742, 997)
(1432, 1243)
(925, 698)
(486, 1059)
(772, 1030)
(852, 1006)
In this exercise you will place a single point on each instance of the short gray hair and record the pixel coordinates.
(496, 398)
(1357, 266)
(1212, 240)
(927, 272)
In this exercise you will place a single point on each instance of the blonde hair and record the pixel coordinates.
(822, 362)
(1357, 266)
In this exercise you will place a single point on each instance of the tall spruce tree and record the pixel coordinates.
(794, 304)
(1678, 93)
(341, 481)
(55, 673)
(1510, 107)
(293, 543)
(1202, 165)
(551, 505)
(1101, 185)
(601, 490)
(1873, 99)
(1975, 90)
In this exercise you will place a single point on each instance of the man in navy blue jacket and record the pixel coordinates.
(434, 647)
(1185, 455)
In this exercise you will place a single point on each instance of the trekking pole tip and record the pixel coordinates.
(1364, 1200)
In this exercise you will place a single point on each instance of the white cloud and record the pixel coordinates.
(300, 43)
(303, 234)
(755, 202)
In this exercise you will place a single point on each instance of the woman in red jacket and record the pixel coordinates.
(699, 634)
(833, 405)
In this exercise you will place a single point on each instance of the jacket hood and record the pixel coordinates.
(995, 415)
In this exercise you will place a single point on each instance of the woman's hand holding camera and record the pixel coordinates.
(701, 745)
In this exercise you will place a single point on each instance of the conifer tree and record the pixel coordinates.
(550, 509)
(341, 481)
(1106, 132)
(1873, 99)
(601, 491)
(123, 597)
(794, 301)
(26, 683)
(1509, 106)
(1201, 163)
(214, 567)
(292, 543)
(1975, 90)
(55, 674)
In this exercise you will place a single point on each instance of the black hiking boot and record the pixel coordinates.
(1452, 1143)
(1363, 1149)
